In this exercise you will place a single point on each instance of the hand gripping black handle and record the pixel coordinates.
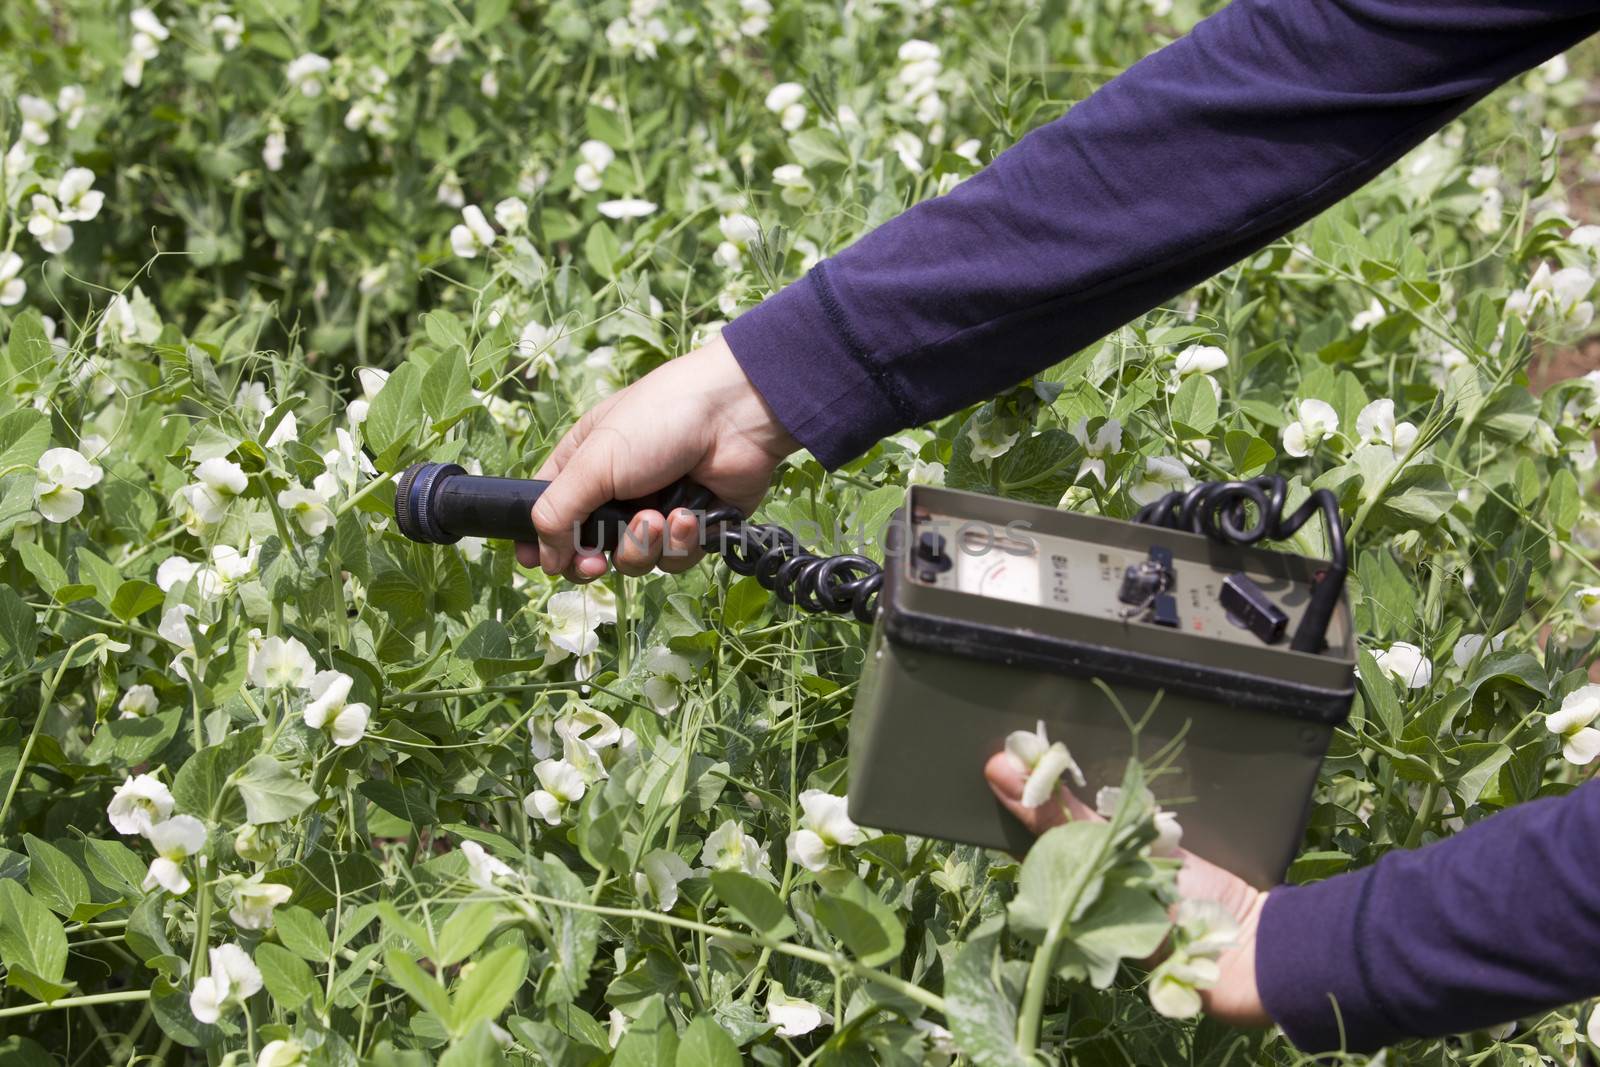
(440, 503)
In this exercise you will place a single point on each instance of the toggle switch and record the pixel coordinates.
(931, 557)
(1248, 605)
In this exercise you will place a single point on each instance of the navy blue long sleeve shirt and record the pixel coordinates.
(1193, 158)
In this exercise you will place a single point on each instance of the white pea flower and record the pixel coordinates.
(1588, 600)
(282, 663)
(729, 848)
(824, 824)
(1406, 664)
(254, 900)
(174, 626)
(511, 213)
(1044, 761)
(1169, 834)
(660, 872)
(12, 287)
(71, 103)
(472, 236)
(483, 868)
(627, 208)
(783, 100)
(739, 230)
(309, 508)
(574, 616)
(489, 84)
(445, 49)
(232, 566)
(371, 380)
(175, 840)
(450, 192)
(1199, 359)
(331, 710)
(1376, 424)
(908, 146)
(138, 701)
(229, 30)
(284, 1052)
(1467, 646)
(1318, 420)
(173, 570)
(590, 726)
(1573, 722)
(47, 225)
(969, 149)
(1374, 314)
(1107, 441)
(562, 784)
(62, 476)
(1161, 475)
(138, 804)
(792, 1016)
(596, 156)
(794, 185)
(143, 46)
(37, 115)
(79, 201)
(234, 978)
(1560, 296)
(305, 73)
(127, 321)
(668, 673)
(221, 476)
(273, 150)
(1205, 931)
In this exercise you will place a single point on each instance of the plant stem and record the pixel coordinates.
(76, 1002)
(1044, 960)
(38, 723)
(800, 952)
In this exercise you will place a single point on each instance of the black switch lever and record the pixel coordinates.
(1248, 605)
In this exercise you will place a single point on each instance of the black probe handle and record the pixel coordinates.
(439, 503)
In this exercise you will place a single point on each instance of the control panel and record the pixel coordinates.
(1124, 582)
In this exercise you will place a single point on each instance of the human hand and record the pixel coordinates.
(1234, 998)
(697, 416)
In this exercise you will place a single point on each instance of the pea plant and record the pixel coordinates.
(278, 786)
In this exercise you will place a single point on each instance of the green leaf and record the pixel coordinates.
(115, 866)
(272, 793)
(1194, 406)
(475, 1049)
(650, 1040)
(706, 1044)
(447, 387)
(302, 933)
(31, 938)
(396, 412)
(866, 925)
(1057, 874)
(131, 741)
(288, 978)
(572, 936)
(602, 250)
(422, 986)
(1477, 764)
(1125, 922)
(467, 928)
(1377, 694)
(981, 1009)
(488, 987)
(54, 878)
(1563, 504)
(202, 787)
(815, 147)
(755, 902)
(133, 598)
(1248, 452)
(102, 575)
(18, 629)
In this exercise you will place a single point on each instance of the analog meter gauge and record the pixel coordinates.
(998, 567)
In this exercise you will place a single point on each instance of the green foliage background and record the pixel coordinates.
(251, 295)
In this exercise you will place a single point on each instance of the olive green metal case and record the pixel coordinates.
(995, 615)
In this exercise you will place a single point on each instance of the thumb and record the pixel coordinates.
(582, 485)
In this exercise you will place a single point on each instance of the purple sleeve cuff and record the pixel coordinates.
(797, 349)
(1310, 972)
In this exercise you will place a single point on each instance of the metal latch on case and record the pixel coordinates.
(1247, 605)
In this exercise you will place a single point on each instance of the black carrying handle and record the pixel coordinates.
(440, 503)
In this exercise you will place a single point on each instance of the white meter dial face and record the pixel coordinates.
(999, 574)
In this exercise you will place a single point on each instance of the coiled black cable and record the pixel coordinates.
(1221, 511)
(843, 584)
